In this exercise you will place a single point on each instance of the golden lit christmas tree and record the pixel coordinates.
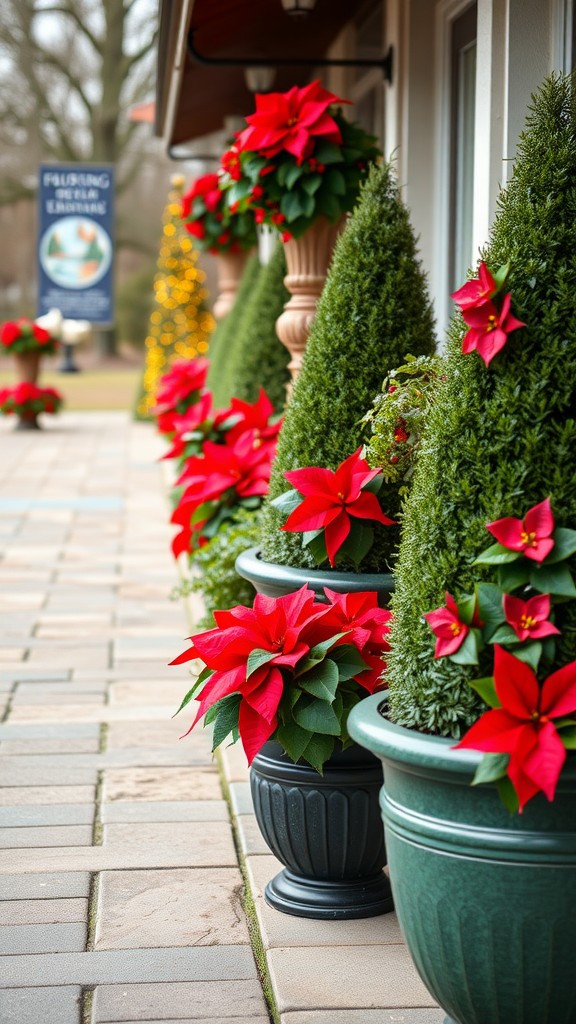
(179, 325)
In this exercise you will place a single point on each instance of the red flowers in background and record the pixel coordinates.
(28, 400)
(448, 628)
(290, 121)
(490, 323)
(184, 380)
(325, 502)
(210, 220)
(531, 536)
(24, 335)
(522, 725)
(288, 668)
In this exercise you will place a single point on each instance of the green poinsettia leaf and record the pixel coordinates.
(311, 183)
(508, 795)
(375, 485)
(496, 554)
(252, 503)
(514, 574)
(490, 607)
(504, 635)
(335, 182)
(564, 545)
(328, 204)
(349, 661)
(568, 737)
(530, 653)
(467, 653)
(357, 543)
(492, 767)
(487, 690)
(327, 152)
(319, 749)
(553, 579)
(291, 206)
(307, 203)
(293, 739)
(257, 658)
(204, 675)
(317, 716)
(466, 607)
(226, 720)
(501, 275)
(317, 654)
(321, 681)
(287, 501)
(293, 172)
(315, 541)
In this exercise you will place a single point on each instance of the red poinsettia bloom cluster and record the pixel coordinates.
(290, 121)
(212, 223)
(331, 500)
(530, 555)
(489, 322)
(523, 725)
(28, 399)
(182, 401)
(24, 335)
(281, 667)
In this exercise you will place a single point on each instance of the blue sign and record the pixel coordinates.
(75, 241)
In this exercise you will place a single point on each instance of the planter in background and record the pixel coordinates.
(274, 580)
(307, 259)
(485, 899)
(230, 267)
(27, 366)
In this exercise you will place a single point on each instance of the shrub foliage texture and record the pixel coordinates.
(374, 309)
(224, 337)
(499, 439)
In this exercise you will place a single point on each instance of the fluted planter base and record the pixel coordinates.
(27, 366)
(325, 829)
(27, 423)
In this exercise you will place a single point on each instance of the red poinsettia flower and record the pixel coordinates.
(283, 626)
(532, 536)
(523, 726)
(195, 228)
(448, 628)
(204, 188)
(230, 162)
(173, 423)
(529, 619)
(9, 333)
(184, 377)
(489, 328)
(291, 121)
(475, 294)
(367, 626)
(249, 416)
(331, 498)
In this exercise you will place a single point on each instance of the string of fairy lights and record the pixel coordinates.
(179, 327)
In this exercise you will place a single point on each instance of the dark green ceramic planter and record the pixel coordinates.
(274, 580)
(486, 900)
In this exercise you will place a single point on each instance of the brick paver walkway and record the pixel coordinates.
(119, 881)
(120, 890)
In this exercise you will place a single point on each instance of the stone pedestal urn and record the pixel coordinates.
(230, 266)
(308, 259)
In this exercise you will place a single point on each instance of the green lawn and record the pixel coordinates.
(110, 388)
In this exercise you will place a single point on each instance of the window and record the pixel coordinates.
(462, 105)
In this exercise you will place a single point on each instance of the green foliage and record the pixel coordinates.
(225, 334)
(258, 359)
(373, 310)
(499, 439)
(214, 574)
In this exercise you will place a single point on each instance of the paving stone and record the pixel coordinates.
(41, 795)
(123, 967)
(346, 977)
(156, 692)
(47, 814)
(413, 1016)
(162, 784)
(45, 886)
(42, 938)
(162, 810)
(41, 1005)
(282, 930)
(210, 1002)
(156, 734)
(241, 798)
(235, 763)
(67, 686)
(10, 747)
(67, 835)
(208, 1020)
(42, 775)
(43, 911)
(252, 842)
(15, 731)
(195, 907)
(206, 843)
(34, 700)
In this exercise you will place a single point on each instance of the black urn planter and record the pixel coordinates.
(326, 830)
(274, 580)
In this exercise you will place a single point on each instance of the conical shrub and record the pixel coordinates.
(374, 309)
(225, 334)
(258, 359)
(499, 439)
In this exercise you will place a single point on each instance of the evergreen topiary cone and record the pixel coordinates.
(373, 311)
(499, 439)
(225, 334)
(257, 357)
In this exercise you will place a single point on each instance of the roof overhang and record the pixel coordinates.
(194, 98)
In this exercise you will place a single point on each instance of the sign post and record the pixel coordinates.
(75, 241)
